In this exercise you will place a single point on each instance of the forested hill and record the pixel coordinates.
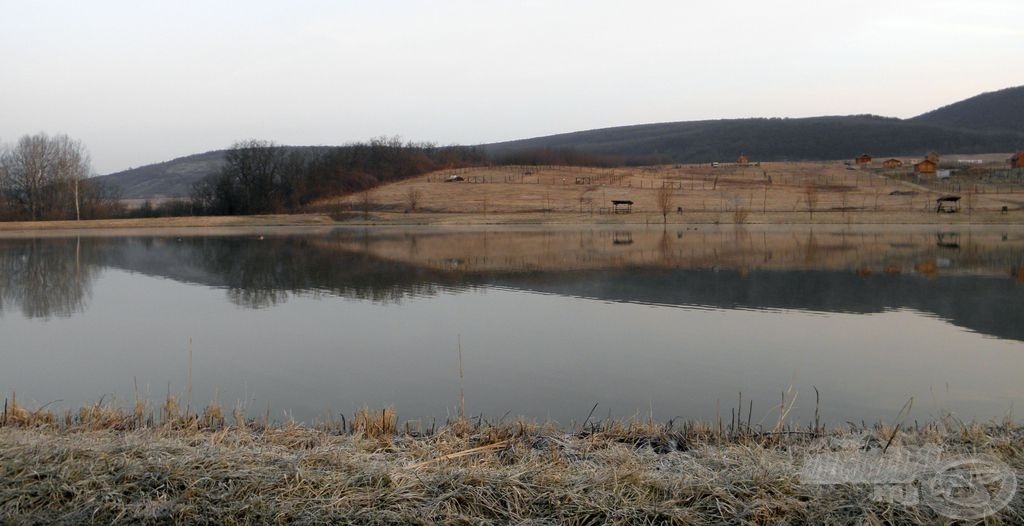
(993, 111)
(771, 139)
(172, 178)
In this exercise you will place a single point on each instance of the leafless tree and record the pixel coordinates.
(811, 194)
(365, 203)
(412, 198)
(72, 167)
(42, 176)
(663, 199)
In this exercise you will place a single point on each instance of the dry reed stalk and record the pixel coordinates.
(463, 453)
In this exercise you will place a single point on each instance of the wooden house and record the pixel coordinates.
(742, 159)
(862, 159)
(925, 167)
(892, 163)
(1017, 161)
(622, 206)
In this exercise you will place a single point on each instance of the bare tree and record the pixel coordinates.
(42, 176)
(811, 193)
(27, 166)
(663, 199)
(412, 198)
(72, 166)
(365, 203)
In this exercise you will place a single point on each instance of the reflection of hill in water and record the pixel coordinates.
(988, 305)
(47, 277)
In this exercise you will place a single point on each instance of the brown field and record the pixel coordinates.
(768, 193)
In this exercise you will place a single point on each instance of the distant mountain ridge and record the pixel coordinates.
(990, 122)
(814, 138)
(172, 178)
(1001, 110)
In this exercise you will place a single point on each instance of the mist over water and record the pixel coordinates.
(671, 322)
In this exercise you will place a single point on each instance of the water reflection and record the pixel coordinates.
(309, 320)
(967, 277)
(47, 278)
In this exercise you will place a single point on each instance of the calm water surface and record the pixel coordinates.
(674, 322)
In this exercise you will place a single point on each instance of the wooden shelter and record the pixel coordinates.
(925, 167)
(1017, 161)
(862, 159)
(892, 163)
(947, 203)
(742, 159)
(622, 206)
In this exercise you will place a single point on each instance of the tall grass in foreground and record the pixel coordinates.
(143, 463)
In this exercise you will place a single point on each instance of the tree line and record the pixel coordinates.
(44, 177)
(262, 177)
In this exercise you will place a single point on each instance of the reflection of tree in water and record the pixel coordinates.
(263, 272)
(47, 277)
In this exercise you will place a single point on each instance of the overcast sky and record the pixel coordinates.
(143, 81)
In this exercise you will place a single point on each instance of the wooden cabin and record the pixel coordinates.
(933, 157)
(862, 159)
(1017, 161)
(742, 159)
(622, 206)
(925, 167)
(892, 163)
(951, 205)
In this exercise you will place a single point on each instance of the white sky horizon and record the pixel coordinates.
(145, 82)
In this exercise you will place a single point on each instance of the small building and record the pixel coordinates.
(943, 174)
(933, 157)
(892, 163)
(862, 159)
(947, 203)
(1017, 161)
(742, 159)
(622, 206)
(925, 167)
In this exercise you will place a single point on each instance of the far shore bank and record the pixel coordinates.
(1015, 218)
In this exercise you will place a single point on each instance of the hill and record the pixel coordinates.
(172, 178)
(986, 123)
(1001, 110)
(816, 138)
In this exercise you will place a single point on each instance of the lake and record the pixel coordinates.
(651, 321)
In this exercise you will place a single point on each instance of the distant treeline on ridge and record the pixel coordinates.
(261, 177)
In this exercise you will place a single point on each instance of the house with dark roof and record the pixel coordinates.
(925, 167)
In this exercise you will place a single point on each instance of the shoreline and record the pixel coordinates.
(523, 219)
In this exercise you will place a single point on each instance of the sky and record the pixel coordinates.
(144, 82)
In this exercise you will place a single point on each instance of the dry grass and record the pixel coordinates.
(110, 465)
(789, 192)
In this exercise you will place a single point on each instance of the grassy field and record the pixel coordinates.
(796, 192)
(136, 465)
(766, 193)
